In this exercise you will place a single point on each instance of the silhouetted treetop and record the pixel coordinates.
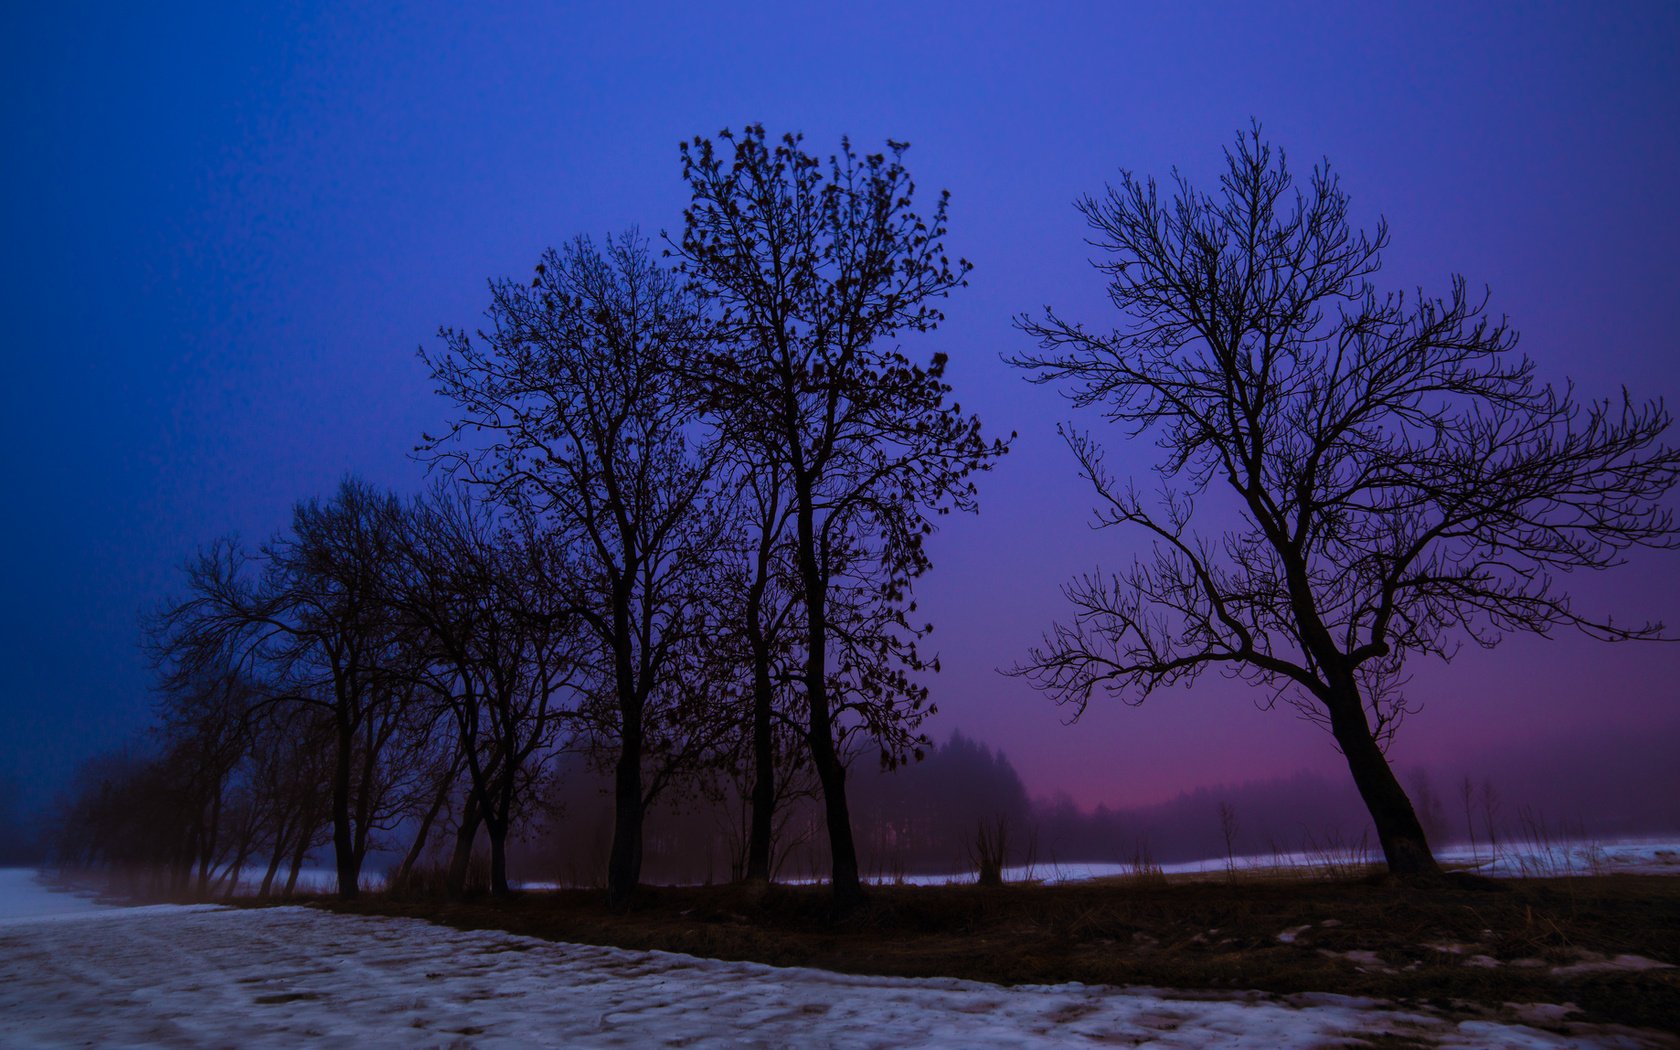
(810, 268)
(1399, 477)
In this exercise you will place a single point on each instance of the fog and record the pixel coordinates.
(923, 818)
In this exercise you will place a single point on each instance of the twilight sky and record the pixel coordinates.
(224, 235)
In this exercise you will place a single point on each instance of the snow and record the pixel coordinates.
(1637, 856)
(24, 896)
(1594, 962)
(26, 899)
(191, 976)
(1646, 856)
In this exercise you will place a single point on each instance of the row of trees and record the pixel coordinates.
(688, 503)
(685, 508)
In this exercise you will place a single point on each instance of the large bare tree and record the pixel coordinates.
(813, 269)
(316, 621)
(570, 409)
(1397, 479)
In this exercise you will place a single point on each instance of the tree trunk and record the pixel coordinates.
(282, 834)
(624, 865)
(847, 889)
(366, 801)
(344, 849)
(465, 836)
(273, 863)
(207, 844)
(304, 835)
(237, 868)
(497, 831)
(764, 762)
(498, 818)
(761, 829)
(420, 836)
(1404, 844)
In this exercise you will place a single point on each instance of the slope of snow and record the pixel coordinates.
(290, 976)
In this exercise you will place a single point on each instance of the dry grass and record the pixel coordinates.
(1459, 942)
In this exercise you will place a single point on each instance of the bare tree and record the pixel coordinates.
(204, 728)
(183, 815)
(120, 813)
(571, 410)
(813, 269)
(1399, 479)
(769, 628)
(496, 644)
(317, 622)
(1467, 796)
(290, 770)
(1228, 831)
(989, 851)
(751, 814)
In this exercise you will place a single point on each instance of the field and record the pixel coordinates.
(1262, 959)
(1609, 945)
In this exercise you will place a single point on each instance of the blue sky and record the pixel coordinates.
(225, 234)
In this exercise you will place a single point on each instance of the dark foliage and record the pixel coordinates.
(812, 269)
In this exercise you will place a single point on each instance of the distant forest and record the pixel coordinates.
(923, 819)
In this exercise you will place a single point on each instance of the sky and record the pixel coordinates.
(224, 234)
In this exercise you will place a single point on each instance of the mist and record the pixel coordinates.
(922, 819)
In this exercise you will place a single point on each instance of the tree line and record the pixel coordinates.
(683, 503)
(683, 497)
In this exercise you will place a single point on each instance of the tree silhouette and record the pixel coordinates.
(812, 269)
(571, 411)
(318, 624)
(1399, 479)
(768, 627)
(496, 643)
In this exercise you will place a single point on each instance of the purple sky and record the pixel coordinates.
(225, 235)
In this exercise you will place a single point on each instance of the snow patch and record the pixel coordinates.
(1595, 962)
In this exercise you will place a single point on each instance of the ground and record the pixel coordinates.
(1608, 945)
(187, 976)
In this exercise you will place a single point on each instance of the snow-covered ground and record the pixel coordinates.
(1647, 856)
(75, 972)
(25, 899)
(1572, 857)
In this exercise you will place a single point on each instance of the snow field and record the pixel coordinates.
(293, 976)
(1660, 856)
